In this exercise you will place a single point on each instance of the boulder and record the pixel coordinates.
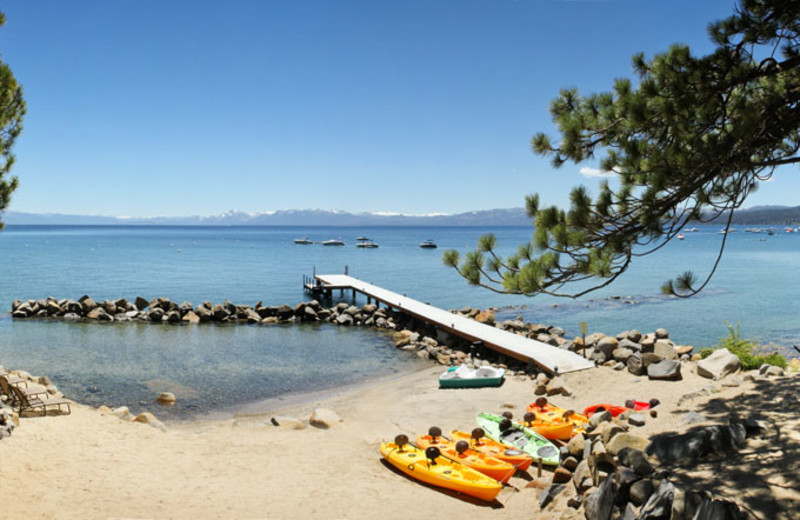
(549, 493)
(324, 418)
(719, 510)
(640, 491)
(771, 371)
(630, 345)
(97, 313)
(686, 504)
(718, 365)
(582, 476)
(659, 505)
(636, 460)
(667, 370)
(486, 317)
(597, 418)
(622, 354)
(191, 317)
(661, 334)
(635, 365)
(166, 398)
(140, 303)
(151, 420)
(626, 440)
(665, 349)
(600, 503)
(636, 419)
(576, 445)
(607, 345)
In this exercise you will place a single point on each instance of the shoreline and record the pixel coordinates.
(96, 466)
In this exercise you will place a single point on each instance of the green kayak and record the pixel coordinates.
(519, 437)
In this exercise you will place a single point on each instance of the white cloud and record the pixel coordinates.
(594, 172)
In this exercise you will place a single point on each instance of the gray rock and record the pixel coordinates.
(665, 349)
(640, 491)
(661, 334)
(637, 419)
(659, 505)
(582, 476)
(719, 364)
(344, 319)
(686, 504)
(607, 345)
(600, 503)
(630, 345)
(626, 440)
(698, 442)
(667, 370)
(598, 418)
(770, 370)
(622, 354)
(549, 493)
(636, 460)
(576, 445)
(718, 510)
(635, 365)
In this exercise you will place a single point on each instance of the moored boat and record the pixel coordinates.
(479, 442)
(333, 242)
(554, 430)
(460, 451)
(303, 241)
(547, 411)
(430, 467)
(367, 244)
(466, 377)
(504, 430)
(428, 244)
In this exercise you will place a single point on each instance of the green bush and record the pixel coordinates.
(750, 353)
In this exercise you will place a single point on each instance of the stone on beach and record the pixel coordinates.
(151, 420)
(324, 418)
(718, 365)
(666, 370)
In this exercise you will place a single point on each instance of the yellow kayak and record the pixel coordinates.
(430, 467)
(460, 452)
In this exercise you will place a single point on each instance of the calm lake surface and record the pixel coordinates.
(218, 366)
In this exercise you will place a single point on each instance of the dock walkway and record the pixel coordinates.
(550, 358)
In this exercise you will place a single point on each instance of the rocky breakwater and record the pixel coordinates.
(163, 310)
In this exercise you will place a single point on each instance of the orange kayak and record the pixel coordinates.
(459, 451)
(547, 412)
(439, 471)
(498, 450)
(555, 430)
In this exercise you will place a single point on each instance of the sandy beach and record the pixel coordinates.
(92, 465)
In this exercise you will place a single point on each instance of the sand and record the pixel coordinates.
(91, 465)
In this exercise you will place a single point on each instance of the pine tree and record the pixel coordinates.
(12, 110)
(689, 141)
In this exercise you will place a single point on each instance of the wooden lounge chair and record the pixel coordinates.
(7, 390)
(14, 379)
(26, 402)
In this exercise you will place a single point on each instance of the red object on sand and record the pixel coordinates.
(604, 407)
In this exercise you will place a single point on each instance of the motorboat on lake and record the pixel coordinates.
(428, 244)
(333, 242)
(303, 241)
(367, 244)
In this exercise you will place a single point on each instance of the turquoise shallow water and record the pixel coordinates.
(214, 367)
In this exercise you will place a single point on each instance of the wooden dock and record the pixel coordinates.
(549, 358)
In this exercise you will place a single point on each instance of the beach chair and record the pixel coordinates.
(27, 402)
(14, 379)
(7, 390)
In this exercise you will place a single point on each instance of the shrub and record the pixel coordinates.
(750, 353)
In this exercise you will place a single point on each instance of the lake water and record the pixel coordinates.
(217, 366)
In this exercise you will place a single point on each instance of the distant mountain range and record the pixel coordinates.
(757, 215)
(289, 217)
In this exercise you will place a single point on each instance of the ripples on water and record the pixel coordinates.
(218, 366)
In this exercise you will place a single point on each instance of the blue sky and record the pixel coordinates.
(148, 108)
